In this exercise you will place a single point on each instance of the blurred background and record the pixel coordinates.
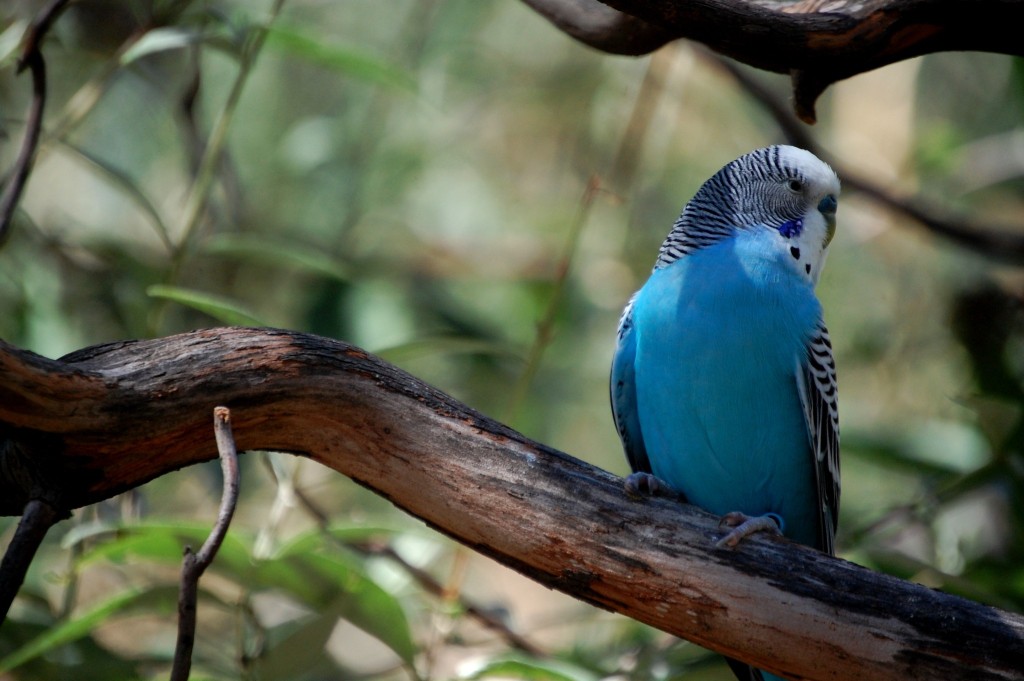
(464, 190)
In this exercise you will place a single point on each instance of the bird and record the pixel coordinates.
(723, 382)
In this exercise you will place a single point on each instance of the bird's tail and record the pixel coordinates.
(744, 672)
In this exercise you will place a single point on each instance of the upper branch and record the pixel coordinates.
(31, 59)
(818, 42)
(602, 27)
(109, 418)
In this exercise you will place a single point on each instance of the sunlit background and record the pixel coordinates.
(464, 190)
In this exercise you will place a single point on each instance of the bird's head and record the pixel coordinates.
(784, 189)
(779, 185)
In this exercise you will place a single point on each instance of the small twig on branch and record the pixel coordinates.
(422, 577)
(1006, 243)
(195, 564)
(38, 518)
(31, 59)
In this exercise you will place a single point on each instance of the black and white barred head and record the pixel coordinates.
(770, 187)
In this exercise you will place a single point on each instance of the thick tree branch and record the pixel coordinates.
(109, 418)
(817, 42)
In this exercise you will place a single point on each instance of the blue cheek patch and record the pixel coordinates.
(791, 228)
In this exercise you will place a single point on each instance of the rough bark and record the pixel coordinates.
(109, 418)
(817, 42)
(602, 27)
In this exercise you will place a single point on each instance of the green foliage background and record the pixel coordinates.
(412, 177)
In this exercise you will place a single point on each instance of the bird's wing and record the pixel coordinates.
(816, 380)
(623, 394)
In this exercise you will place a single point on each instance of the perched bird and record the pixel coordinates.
(723, 385)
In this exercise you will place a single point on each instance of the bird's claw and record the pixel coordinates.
(744, 525)
(646, 484)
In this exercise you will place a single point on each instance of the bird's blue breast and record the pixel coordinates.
(720, 334)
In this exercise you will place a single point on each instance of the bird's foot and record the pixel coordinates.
(744, 525)
(647, 485)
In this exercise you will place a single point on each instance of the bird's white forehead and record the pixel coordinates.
(815, 171)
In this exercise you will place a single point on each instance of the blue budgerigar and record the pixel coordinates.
(723, 385)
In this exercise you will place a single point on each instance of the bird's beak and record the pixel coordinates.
(827, 207)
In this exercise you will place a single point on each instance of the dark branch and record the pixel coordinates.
(817, 42)
(15, 185)
(118, 415)
(36, 521)
(602, 27)
(31, 59)
(195, 564)
(1002, 243)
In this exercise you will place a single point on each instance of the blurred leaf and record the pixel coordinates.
(347, 60)
(10, 42)
(298, 570)
(957, 447)
(125, 183)
(985, 319)
(345, 534)
(929, 449)
(85, 661)
(87, 530)
(165, 543)
(301, 651)
(218, 307)
(1003, 576)
(161, 40)
(264, 251)
(168, 38)
(159, 599)
(531, 670)
(317, 579)
(447, 345)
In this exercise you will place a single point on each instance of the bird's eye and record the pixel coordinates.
(796, 185)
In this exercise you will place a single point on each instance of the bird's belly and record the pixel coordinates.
(719, 407)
